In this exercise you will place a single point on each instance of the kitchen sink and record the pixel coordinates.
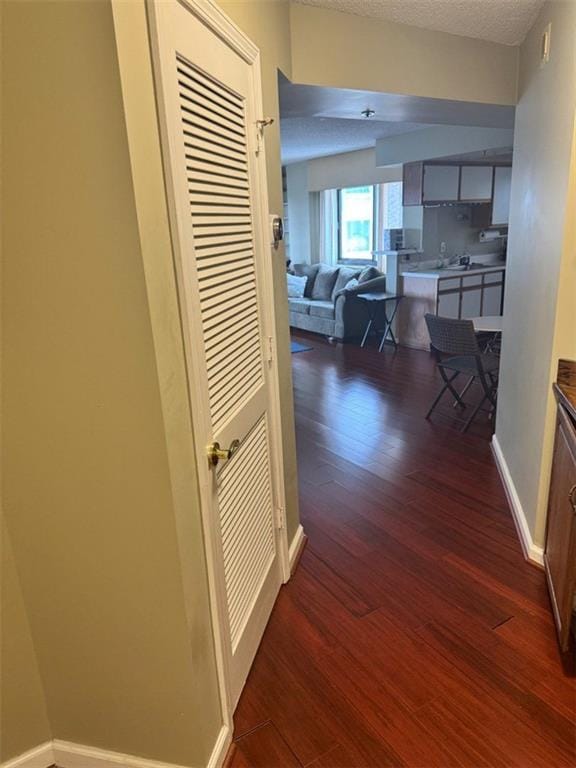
(464, 267)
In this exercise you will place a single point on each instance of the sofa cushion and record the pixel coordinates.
(345, 274)
(309, 271)
(296, 285)
(324, 283)
(369, 273)
(299, 305)
(322, 309)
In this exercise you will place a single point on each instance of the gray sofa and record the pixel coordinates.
(328, 306)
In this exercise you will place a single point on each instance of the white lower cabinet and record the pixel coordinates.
(449, 305)
(492, 300)
(472, 302)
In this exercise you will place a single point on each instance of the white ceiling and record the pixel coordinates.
(317, 121)
(304, 138)
(501, 21)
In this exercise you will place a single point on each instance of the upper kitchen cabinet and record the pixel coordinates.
(412, 175)
(440, 183)
(434, 183)
(476, 183)
(501, 197)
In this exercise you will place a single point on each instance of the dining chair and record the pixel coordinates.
(455, 346)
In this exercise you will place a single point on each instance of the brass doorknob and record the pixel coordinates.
(215, 453)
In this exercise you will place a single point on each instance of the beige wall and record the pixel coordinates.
(267, 24)
(349, 169)
(23, 717)
(344, 51)
(539, 301)
(124, 647)
(299, 209)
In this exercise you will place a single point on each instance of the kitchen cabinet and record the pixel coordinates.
(472, 297)
(449, 305)
(440, 183)
(447, 293)
(432, 183)
(476, 183)
(501, 197)
(560, 550)
(493, 294)
(412, 175)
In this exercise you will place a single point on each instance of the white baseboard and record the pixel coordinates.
(220, 748)
(41, 756)
(295, 548)
(69, 755)
(532, 551)
(65, 754)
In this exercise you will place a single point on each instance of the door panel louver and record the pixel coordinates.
(215, 146)
(246, 520)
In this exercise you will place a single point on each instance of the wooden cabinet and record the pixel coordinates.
(412, 174)
(440, 183)
(501, 196)
(560, 552)
(448, 295)
(476, 183)
(429, 183)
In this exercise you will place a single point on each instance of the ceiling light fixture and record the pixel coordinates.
(367, 113)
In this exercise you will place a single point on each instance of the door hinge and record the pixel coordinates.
(270, 350)
(280, 518)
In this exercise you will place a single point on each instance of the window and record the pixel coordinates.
(356, 223)
(363, 215)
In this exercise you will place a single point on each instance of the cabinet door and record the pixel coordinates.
(412, 184)
(560, 555)
(471, 303)
(440, 183)
(501, 200)
(492, 304)
(449, 305)
(476, 182)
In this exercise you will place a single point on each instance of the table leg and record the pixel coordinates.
(388, 328)
(367, 331)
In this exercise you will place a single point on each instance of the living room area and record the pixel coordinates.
(394, 210)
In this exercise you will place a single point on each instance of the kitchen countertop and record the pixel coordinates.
(436, 274)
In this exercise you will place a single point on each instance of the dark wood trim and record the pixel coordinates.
(565, 386)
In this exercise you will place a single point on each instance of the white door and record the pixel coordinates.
(209, 104)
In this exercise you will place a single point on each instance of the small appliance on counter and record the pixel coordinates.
(392, 239)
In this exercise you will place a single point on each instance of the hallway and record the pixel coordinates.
(413, 632)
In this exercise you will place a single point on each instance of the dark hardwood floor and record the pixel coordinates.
(413, 632)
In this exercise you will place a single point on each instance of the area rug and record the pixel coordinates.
(297, 347)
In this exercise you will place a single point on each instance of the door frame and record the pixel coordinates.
(215, 19)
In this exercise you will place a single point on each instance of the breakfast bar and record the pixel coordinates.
(449, 292)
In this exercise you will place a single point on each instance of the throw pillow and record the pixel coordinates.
(324, 283)
(369, 273)
(309, 271)
(296, 286)
(345, 274)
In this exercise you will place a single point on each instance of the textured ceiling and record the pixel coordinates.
(306, 137)
(501, 21)
(319, 121)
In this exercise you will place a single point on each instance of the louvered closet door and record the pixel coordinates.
(208, 92)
